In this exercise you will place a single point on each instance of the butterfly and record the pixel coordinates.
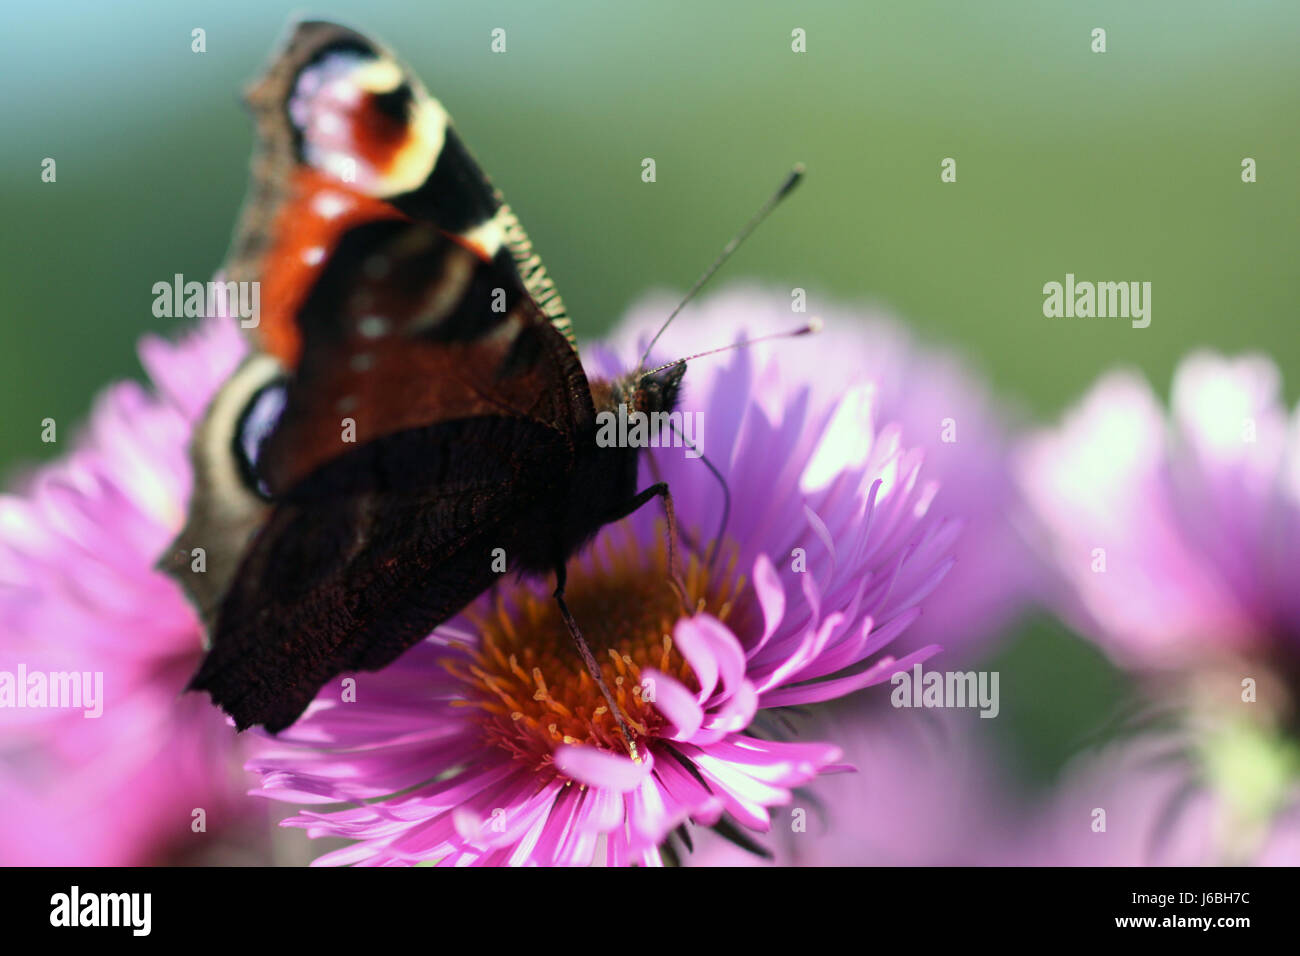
(412, 406)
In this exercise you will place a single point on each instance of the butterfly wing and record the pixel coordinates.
(359, 560)
(391, 480)
(347, 138)
(407, 327)
(347, 135)
(412, 394)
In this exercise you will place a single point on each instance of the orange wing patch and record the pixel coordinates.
(319, 210)
(378, 137)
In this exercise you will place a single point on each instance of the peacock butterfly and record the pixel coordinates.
(413, 397)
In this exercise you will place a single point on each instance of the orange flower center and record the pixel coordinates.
(527, 680)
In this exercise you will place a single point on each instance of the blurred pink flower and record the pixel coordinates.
(487, 744)
(1177, 538)
(78, 592)
(1177, 534)
(929, 791)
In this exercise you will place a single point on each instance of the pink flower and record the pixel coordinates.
(79, 593)
(1178, 535)
(1177, 538)
(488, 743)
(939, 404)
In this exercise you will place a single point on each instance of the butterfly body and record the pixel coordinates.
(412, 408)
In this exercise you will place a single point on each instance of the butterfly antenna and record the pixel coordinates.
(814, 326)
(786, 187)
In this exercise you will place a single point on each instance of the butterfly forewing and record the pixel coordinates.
(347, 135)
(407, 327)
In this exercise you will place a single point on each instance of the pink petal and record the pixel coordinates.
(599, 768)
(676, 703)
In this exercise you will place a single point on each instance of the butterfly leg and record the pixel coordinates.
(691, 543)
(561, 577)
(660, 490)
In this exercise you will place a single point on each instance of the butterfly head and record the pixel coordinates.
(654, 391)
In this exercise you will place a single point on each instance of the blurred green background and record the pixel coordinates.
(1121, 166)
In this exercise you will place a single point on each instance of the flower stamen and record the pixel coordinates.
(533, 692)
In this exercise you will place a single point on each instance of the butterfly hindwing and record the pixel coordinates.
(356, 560)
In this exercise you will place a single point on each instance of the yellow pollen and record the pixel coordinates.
(528, 686)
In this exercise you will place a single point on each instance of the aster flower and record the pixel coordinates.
(78, 593)
(940, 404)
(1176, 537)
(489, 744)
(1187, 509)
